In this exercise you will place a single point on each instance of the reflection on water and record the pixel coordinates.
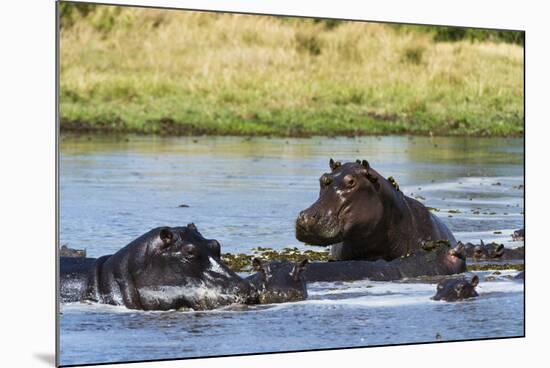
(247, 193)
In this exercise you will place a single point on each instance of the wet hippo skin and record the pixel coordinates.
(493, 251)
(452, 290)
(364, 216)
(278, 281)
(165, 268)
(443, 260)
(171, 268)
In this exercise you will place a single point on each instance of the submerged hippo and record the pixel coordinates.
(492, 251)
(439, 260)
(366, 217)
(518, 235)
(65, 251)
(165, 268)
(451, 290)
(278, 281)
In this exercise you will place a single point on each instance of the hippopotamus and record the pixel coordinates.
(518, 235)
(172, 268)
(492, 251)
(165, 268)
(451, 290)
(439, 260)
(65, 251)
(278, 281)
(364, 216)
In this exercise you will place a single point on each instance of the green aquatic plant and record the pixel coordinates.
(495, 266)
(241, 262)
(430, 245)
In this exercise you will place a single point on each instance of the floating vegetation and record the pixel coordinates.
(430, 245)
(243, 262)
(495, 266)
(433, 209)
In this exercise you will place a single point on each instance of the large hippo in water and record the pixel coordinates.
(165, 268)
(366, 217)
(172, 268)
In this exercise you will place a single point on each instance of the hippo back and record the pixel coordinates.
(73, 275)
(443, 260)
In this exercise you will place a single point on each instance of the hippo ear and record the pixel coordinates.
(365, 164)
(331, 164)
(334, 164)
(261, 267)
(499, 250)
(166, 235)
(358, 161)
(475, 281)
(457, 250)
(481, 242)
(192, 226)
(256, 264)
(299, 268)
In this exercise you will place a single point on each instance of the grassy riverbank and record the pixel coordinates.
(172, 72)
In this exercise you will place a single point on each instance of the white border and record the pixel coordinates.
(27, 195)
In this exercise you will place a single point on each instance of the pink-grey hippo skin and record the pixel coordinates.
(172, 268)
(493, 252)
(443, 260)
(364, 216)
(452, 290)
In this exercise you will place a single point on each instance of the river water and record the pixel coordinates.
(246, 193)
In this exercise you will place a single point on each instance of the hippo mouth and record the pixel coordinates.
(321, 234)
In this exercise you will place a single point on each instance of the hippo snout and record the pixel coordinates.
(316, 229)
(215, 247)
(306, 220)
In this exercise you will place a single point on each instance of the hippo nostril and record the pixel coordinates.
(303, 218)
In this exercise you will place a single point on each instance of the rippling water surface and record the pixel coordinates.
(247, 193)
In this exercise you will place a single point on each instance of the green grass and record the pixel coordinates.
(174, 72)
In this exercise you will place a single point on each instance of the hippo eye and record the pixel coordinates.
(190, 251)
(349, 181)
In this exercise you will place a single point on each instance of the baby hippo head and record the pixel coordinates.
(174, 267)
(452, 290)
(454, 259)
(279, 281)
